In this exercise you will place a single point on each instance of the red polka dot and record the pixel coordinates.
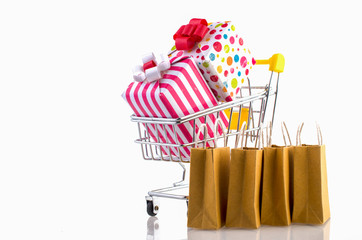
(232, 70)
(203, 58)
(212, 31)
(226, 73)
(246, 71)
(198, 50)
(232, 40)
(228, 99)
(204, 48)
(220, 30)
(197, 56)
(253, 61)
(237, 90)
(214, 78)
(202, 71)
(241, 41)
(214, 92)
(180, 53)
(218, 36)
(224, 25)
(217, 46)
(243, 62)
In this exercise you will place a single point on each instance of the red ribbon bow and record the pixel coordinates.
(187, 35)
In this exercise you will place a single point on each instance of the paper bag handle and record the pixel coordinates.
(284, 126)
(299, 133)
(242, 132)
(297, 138)
(261, 135)
(268, 134)
(319, 134)
(202, 126)
(217, 123)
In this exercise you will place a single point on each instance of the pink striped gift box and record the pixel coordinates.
(181, 91)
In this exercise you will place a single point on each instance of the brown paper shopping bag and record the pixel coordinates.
(311, 200)
(275, 207)
(243, 208)
(209, 178)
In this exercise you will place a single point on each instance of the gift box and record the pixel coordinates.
(181, 91)
(222, 55)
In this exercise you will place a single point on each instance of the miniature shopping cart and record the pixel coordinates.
(252, 104)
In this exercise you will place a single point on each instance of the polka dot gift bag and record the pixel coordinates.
(220, 53)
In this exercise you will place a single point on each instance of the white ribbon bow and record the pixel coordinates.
(153, 73)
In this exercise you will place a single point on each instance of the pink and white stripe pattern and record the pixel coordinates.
(181, 91)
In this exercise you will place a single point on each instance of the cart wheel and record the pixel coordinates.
(151, 209)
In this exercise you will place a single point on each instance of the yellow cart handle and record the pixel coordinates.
(276, 63)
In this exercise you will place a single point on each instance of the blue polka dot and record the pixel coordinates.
(239, 73)
(212, 56)
(225, 84)
(236, 58)
(225, 36)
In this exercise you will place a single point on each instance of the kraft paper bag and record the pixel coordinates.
(311, 200)
(275, 203)
(243, 208)
(208, 189)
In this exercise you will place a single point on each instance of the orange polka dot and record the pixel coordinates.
(229, 61)
(224, 89)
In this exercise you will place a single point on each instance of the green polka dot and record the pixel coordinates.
(222, 59)
(173, 48)
(218, 25)
(234, 83)
(226, 48)
(205, 64)
(233, 27)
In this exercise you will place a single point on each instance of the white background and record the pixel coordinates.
(69, 168)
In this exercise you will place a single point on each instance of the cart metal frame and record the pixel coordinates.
(255, 98)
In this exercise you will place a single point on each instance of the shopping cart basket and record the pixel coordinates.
(253, 102)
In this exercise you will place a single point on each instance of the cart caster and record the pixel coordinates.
(152, 206)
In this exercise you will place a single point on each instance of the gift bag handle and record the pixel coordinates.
(261, 136)
(218, 122)
(299, 133)
(299, 130)
(240, 134)
(202, 126)
(268, 134)
(319, 134)
(284, 126)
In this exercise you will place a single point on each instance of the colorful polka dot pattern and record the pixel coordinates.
(223, 58)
